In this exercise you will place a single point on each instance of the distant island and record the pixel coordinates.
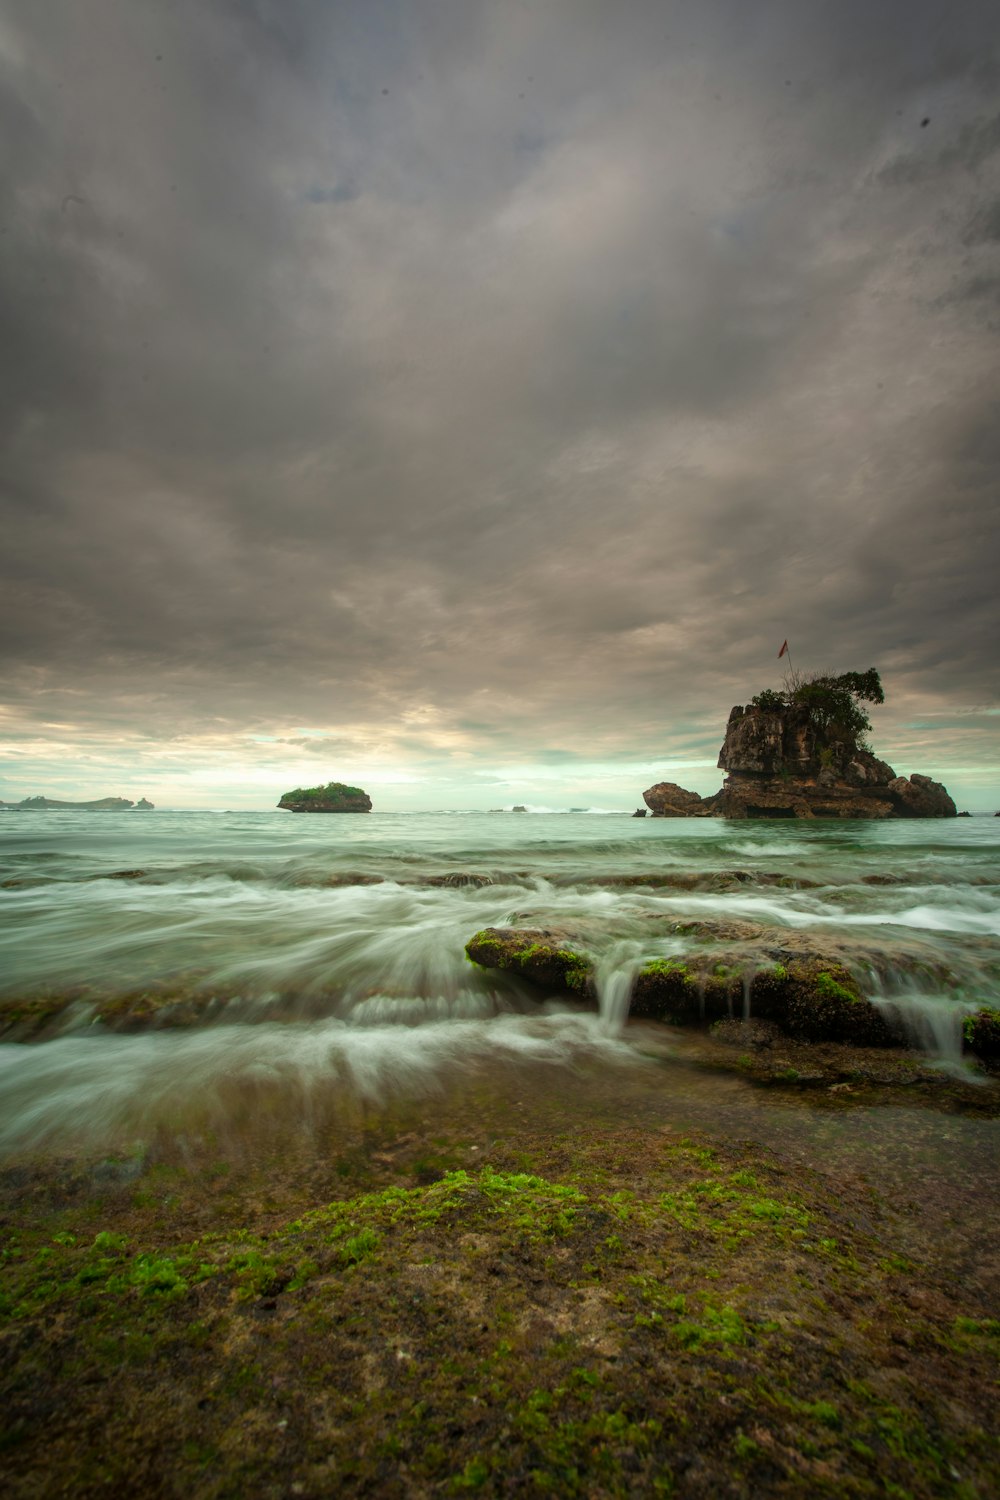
(802, 753)
(99, 804)
(335, 797)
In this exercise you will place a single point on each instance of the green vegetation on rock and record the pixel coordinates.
(534, 956)
(636, 1310)
(832, 704)
(335, 796)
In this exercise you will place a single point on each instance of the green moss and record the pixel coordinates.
(360, 1247)
(981, 1032)
(719, 1324)
(744, 1447)
(573, 1328)
(31, 1015)
(668, 966)
(830, 989)
(540, 962)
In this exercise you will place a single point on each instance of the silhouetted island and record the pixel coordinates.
(98, 804)
(802, 753)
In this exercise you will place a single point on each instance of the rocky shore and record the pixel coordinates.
(526, 1290)
(806, 989)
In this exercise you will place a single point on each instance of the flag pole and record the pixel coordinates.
(785, 652)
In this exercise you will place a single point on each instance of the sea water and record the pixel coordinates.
(320, 954)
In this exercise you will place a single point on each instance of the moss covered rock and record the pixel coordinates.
(810, 993)
(981, 1033)
(536, 954)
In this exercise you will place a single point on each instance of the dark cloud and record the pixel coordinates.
(984, 226)
(488, 380)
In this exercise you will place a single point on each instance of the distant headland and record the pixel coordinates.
(802, 753)
(99, 804)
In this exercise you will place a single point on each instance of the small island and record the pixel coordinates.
(335, 797)
(803, 753)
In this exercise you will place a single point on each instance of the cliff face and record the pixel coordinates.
(788, 761)
(781, 766)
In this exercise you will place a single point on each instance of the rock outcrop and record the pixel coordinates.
(813, 989)
(535, 953)
(335, 797)
(668, 800)
(780, 765)
(920, 797)
(801, 754)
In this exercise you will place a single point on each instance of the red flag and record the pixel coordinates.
(783, 650)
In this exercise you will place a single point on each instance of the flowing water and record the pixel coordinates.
(319, 956)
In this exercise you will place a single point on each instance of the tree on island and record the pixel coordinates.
(832, 705)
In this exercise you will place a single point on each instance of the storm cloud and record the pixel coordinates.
(453, 393)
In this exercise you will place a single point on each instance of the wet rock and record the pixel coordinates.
(538, 954)
(822, 1003)
(712, 929)
(689, 880)
(817, 999)
(762, 1053)
(32, 1017)
(981, 1033)
(772, 975)
(754, 1033)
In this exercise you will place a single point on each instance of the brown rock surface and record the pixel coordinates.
(781, 766)
(920, 797)
(668, 800)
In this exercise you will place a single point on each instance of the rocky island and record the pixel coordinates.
(335, 797)
(802, 753)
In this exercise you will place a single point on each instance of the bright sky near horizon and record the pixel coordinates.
(466, 399)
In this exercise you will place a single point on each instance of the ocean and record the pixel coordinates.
(296, 1199)
(186, 958)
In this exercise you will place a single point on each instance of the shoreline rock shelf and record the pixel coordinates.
(806, 988)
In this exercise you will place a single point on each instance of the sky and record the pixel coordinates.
(466, 398)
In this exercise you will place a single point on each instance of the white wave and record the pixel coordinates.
(768, 850)
(89, 1088)
(933, 1022)
(928, 918)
